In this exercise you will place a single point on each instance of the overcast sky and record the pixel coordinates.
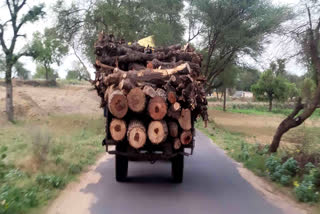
(276, 49)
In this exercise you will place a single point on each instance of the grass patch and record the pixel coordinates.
(261, 110)
(294, 169)
(38, 158)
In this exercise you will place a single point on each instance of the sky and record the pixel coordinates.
(277, 48)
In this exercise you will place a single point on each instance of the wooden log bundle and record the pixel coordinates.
(153, 95)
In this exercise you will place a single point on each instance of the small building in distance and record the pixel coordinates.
(242, 94)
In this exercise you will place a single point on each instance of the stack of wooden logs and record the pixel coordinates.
(153, 95)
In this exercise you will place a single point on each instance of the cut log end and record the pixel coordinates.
(136, 134)
(186, 137)
(136, 100)
(118, 129)
(117, 104)
(157, 131)
(157, 108)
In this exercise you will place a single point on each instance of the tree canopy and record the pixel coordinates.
(233, 28)
(130, 20)
(48, 49)
(270, 87)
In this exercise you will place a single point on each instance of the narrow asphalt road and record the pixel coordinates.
(211, 185)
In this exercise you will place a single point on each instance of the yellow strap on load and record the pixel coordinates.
(148, 41)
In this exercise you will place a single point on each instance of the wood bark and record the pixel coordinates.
(161, 93)
(185, 119)
(173, 129)
(136, 134)
(157, 108)
(186, 137)
(157, 131)
(136, 100)
(118, 129)
(9, 100)
(117, 103)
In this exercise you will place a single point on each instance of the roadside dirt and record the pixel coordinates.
(31, 102)
(257, 128)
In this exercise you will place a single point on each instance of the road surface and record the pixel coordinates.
(212, 184)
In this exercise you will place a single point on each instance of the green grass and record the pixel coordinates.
(264, 111)
(38, 158)
(254, 156)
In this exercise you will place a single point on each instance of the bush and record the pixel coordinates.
(282, 173)
(15, 199)
(51, 181)
(307, 190)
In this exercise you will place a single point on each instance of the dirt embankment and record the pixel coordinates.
(31, 102)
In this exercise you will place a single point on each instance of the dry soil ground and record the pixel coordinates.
(257, 128)
(32, 102)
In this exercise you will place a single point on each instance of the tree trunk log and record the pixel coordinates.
(118, 129)
(172, 97)
(117, 103)
(175, 111)
(186, 137)
(157, 108)
(149, 91)
(176, 144)
(173, 129)
(9, 99)
(185, 119)
(157, 131)
(161, 93)
(136, 134)
(136, 100)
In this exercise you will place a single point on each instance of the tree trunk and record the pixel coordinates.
(172, 97)
(270, 104)
(157, 131)
(9, 95)
(118, 129)
(224, 99)
(117, 103)
(185, 119)
(136, 134)
(136, 100)
(157, 108)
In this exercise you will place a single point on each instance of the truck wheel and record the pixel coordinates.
(121, 166)
(177, 168)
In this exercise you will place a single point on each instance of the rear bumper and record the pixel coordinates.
(139, 155)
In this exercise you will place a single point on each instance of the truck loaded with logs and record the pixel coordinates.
(151, 98)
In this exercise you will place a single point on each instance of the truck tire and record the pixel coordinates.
(177, 168)
(121, 165)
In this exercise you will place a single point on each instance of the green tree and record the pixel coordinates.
(270, 87)
(246, 78)
(78, 72)
(130, 20)
(48, 49)
(45, 73)
(308, 36)
(10, 32)
(20, 71)
(233, 28)
(293, 91)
